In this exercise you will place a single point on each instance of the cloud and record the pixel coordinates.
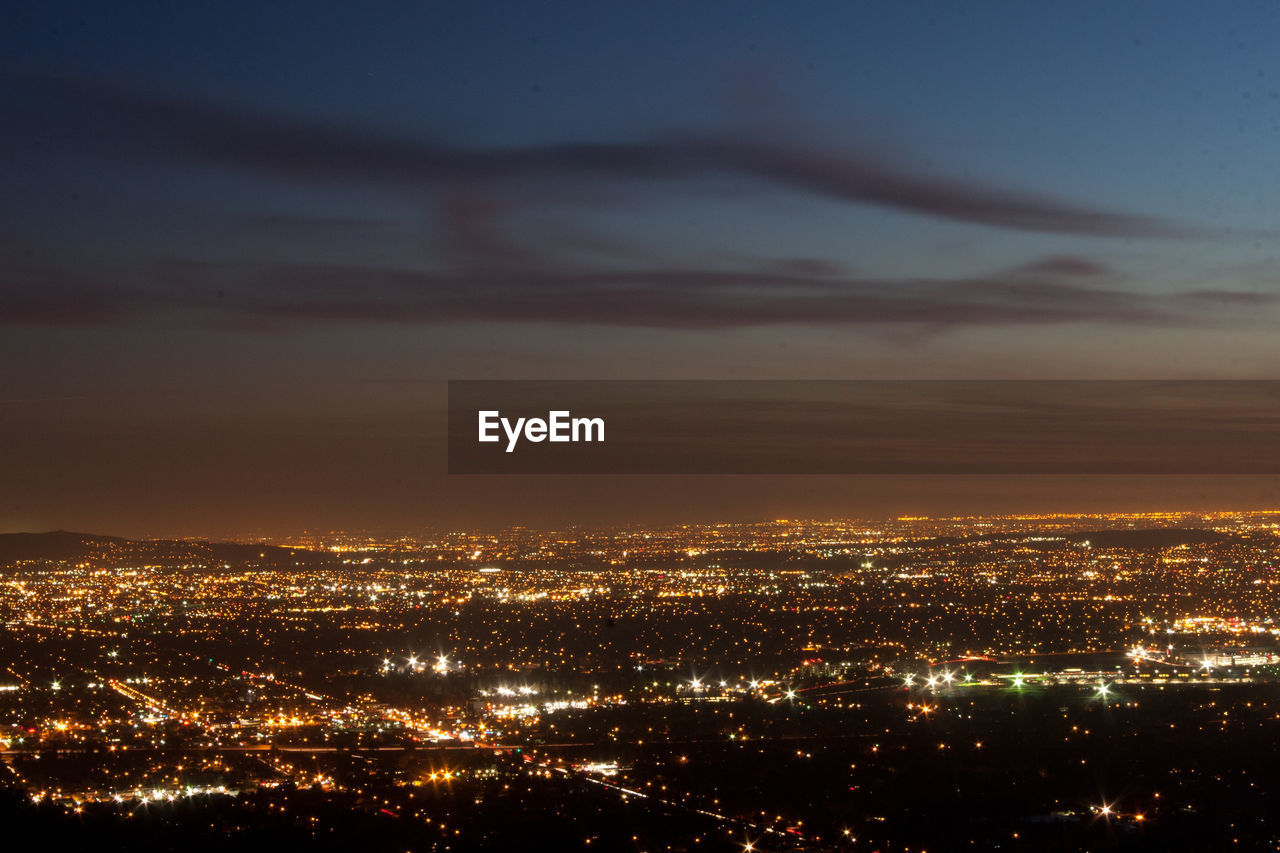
(1054, 290)
(764, 294)
(35, 295)
(303, 150)
(565, 275)
(688, 299)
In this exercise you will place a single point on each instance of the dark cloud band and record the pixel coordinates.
(297, 149)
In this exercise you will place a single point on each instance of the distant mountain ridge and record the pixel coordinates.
(59, 546)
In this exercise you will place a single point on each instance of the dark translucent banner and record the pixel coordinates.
(864, 427)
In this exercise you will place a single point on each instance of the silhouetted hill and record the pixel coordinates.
(54, 545)
(60, 546)
(1151, 538)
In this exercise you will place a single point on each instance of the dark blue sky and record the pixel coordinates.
(231, 228)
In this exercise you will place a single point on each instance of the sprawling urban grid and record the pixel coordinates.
(1055, 682)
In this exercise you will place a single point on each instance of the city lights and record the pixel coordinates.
(537, 684)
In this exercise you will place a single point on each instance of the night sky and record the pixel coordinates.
(245, 244)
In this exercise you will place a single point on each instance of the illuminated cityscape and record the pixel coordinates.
(654, 427)
(674, 688)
